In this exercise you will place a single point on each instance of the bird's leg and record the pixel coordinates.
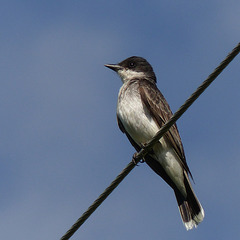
(134, 158)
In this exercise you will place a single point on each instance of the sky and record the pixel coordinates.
(60, 145)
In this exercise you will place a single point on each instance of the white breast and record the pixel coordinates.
(134, 116)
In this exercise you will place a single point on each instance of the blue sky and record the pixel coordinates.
(60, 144)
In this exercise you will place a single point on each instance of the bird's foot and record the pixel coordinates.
(135, 159)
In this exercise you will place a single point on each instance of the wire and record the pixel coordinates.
(138, 156)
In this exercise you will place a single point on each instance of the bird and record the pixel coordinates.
(141, 111)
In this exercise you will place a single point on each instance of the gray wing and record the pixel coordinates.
(160, 111)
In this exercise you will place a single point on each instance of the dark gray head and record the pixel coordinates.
(134, 68)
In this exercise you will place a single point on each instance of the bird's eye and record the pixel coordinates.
(131, 65)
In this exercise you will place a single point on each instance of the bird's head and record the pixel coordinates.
(133, 68)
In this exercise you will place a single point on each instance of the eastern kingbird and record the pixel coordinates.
(141, 111)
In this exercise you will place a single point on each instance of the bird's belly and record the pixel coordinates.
(137, 120)
(142, 127)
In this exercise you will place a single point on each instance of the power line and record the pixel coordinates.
(138, 156)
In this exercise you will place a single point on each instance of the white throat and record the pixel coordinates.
(128, 74)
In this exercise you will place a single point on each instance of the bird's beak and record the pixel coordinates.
(114, 67)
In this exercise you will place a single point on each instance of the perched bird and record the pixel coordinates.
(141, 111)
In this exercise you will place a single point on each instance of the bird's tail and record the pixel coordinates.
(190, 208)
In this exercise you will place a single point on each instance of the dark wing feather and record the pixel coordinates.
(159, 109)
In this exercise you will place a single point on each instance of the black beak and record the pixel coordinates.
(114, 67)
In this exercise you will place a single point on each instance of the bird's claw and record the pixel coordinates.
(135, 160)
